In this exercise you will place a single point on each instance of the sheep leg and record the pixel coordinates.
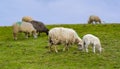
(66, 47)
(95, 22)
(15, 36)
(56, 49)
(93, 48)
(100, 22)
(91, 22)
(38, 33)
(86, 47)
(50, 47)
(26, 35)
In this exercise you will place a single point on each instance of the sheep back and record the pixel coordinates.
(91, 38)
(39, 26)
(27, 19)
(62, 35)
(94, 18)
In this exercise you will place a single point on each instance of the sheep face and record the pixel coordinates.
(80, 46)
(39, 26)
(35, 35)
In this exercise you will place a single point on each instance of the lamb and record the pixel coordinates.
(95, 19)
(66, 36)
(91, 39)
(25, 27)
(39, 26)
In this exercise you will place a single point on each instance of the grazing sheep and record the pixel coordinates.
(93, 40)
(25, 27)
(39, 26)
(66, 36)
(93, 19)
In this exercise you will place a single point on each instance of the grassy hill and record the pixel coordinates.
(32, 53)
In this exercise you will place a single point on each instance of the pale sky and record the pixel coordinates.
(59, 11)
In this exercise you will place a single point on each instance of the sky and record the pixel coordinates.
(59, 11)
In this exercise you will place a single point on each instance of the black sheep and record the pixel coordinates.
(39, 26)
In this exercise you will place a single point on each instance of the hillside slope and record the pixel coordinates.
(32, 53)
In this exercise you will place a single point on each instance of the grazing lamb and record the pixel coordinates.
(66, 36)
(39, 26)
(95, 19)
(91, 39)
(25, 27)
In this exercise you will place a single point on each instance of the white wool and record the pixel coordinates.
(65, 36)
(93, 40)
(24, 27)
(27, 18)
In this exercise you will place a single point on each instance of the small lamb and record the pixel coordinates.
(93, 40)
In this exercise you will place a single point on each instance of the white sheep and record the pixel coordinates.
(25, 27)
(66, 36)
(93, 40)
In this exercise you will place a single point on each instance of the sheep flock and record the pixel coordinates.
(57, 35)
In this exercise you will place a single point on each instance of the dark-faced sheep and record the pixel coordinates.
(94, 19)
(39, 26)
(66, 36)
(25, 27)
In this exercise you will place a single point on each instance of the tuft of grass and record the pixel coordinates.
(32, 53)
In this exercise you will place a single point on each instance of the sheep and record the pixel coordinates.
(27, 18)
(39, 26)
(66, 36)
(25, 27)
(95, 19)
(93, 40)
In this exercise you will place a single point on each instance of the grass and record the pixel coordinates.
(32, 53)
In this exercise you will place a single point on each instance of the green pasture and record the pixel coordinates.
(33, 53)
